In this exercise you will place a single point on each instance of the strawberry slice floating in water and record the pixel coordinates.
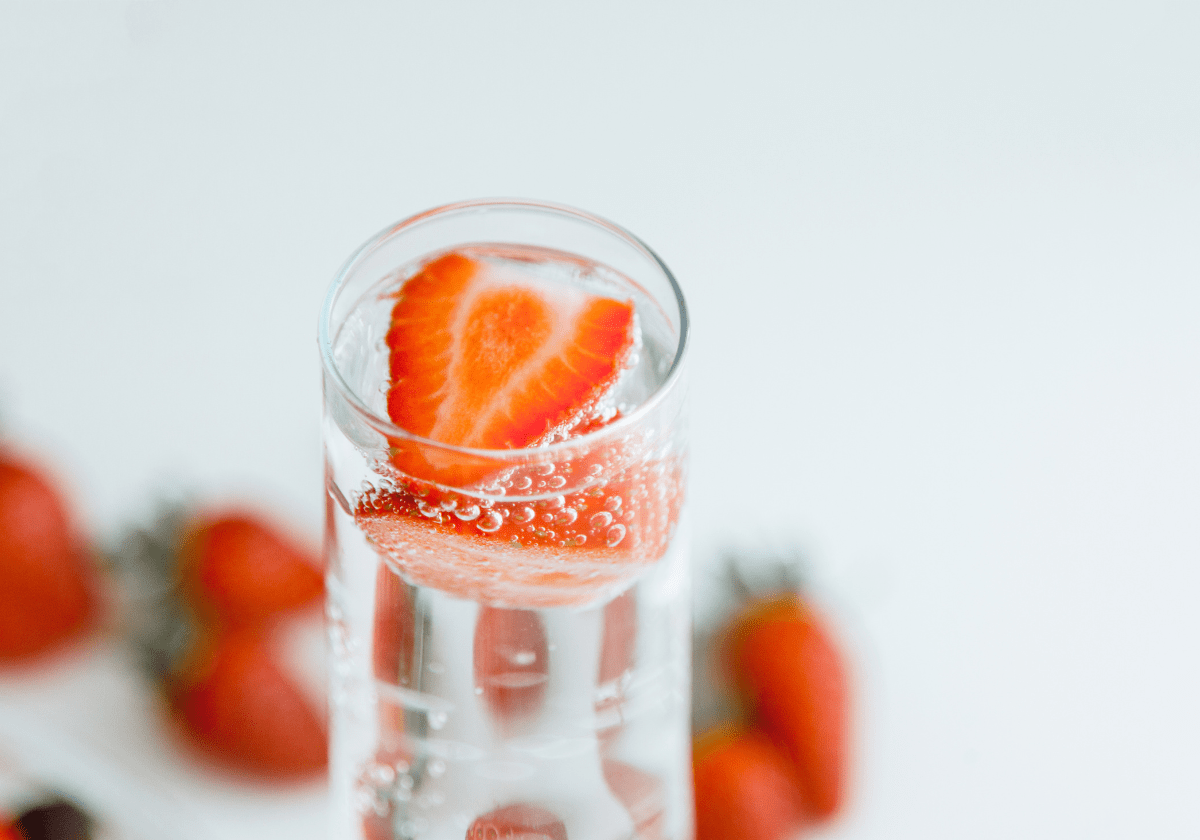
(482, 359)
(486, 355)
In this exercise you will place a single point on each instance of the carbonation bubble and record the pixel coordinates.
(601, 520)
(468, 513)
(523, 483)
(381, 774)
(524, 514)
(555, 503)
(566, 516)
(547, 518)
(491, 521)
(449, 504)
(556, 482)
(580, 539)
(615, 534)
(613, 503)
(428, 510)
(595, 470)
(543, 469)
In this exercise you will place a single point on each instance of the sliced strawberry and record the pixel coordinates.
(485, 358)
(246, 571)
(517, 822)
(512, 663)
(241, 709)
(48, 588)
(788, 667)
(745, 788)
(567, 550)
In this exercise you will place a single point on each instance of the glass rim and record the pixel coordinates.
(391, 430)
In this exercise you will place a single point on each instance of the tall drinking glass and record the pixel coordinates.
(509, 628)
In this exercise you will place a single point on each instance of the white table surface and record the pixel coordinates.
(943, 261)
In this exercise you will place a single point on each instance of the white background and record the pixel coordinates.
(943, 261)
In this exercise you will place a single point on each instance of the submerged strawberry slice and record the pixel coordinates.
(484, 357)
(570, 550)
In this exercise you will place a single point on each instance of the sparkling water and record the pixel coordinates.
(538, 684)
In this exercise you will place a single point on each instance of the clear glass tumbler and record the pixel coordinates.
(509, 628)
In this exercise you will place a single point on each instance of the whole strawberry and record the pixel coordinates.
(243, 572)
(212, 593)
(788, 668)
(745, 788)
(48, 585)
(241, 708)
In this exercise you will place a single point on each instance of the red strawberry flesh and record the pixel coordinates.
(47, 586)
(490, 359)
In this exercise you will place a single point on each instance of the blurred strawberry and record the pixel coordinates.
(244, 711)
(48, 586)
(213, 597)
(518, 822)
(745, 788)
(786, 665)
(246, 571)
(511, 662)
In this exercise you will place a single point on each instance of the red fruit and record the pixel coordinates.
(9, 832)
(47, 585)
(244, 571)
(517, 822)
(565, 551)
(497, 362)
(787, 666)
(512, 662)
(745, 788)
(642, 795)
(242, 710)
